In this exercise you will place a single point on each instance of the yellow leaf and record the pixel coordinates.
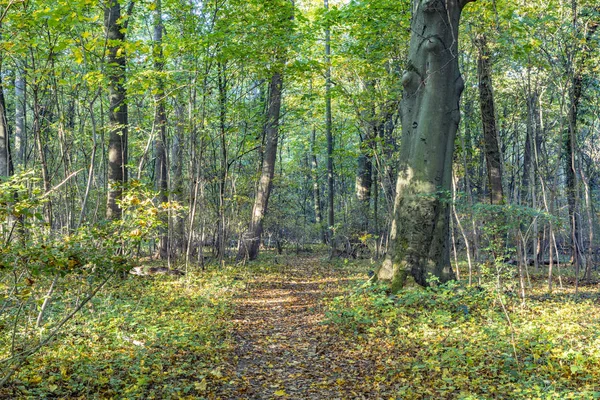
(280, 393)
(201, 386)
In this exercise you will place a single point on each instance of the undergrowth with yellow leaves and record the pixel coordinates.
(140, 337)
(459, 342)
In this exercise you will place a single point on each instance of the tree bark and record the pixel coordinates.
(117, 146)
(160, 123)
(488, 118)
(328, 130)
(177, 174)
(364, 172)
(6, 163)
(251, 239)
(314, 168)
(432, 83)
(20, 117)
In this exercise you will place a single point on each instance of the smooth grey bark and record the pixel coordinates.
(20, 117)
(117, 142)
(160, 123)
(419, 237)
(250, 244)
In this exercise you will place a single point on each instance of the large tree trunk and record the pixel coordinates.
(419, 238)
(117, 146)
(160, 123)
(251, 239)
(488, 117)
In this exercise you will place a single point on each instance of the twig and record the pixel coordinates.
(512, 330)
(49, 192)
(40, 317)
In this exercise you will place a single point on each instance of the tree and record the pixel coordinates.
(488, 119)
(328, 128)
(115, 25)
(419, 243)
(251, 239)
(160, 124)
(6, 164)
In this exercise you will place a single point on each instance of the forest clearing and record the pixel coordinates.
(301, 199)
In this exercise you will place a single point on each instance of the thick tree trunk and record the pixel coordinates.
(160, 123)
(430, 117)
(251, 239)
(488, 117)
(117, 146)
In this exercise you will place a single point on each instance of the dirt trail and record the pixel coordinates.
(282, 349)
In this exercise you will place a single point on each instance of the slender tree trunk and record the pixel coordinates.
(6, 162)
(38, 116)
(251, 239)
(316, 187)
(364, 173)
(467, 159)
(571, 169)
(590, 222)
(488, 118)
(328, 130)
(160, 122)
(222, 84)
(20, 117)
(117, 145)
(462, 232)
(430, 117)
(575, 74)
(177, 174)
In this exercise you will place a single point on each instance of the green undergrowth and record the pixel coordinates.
(460, 342)
(142, 337)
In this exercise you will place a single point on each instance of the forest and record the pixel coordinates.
(299, 199)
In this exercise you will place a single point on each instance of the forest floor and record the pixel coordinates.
(305, 327)
(283, 348)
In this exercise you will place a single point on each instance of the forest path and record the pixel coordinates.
(282, 348)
